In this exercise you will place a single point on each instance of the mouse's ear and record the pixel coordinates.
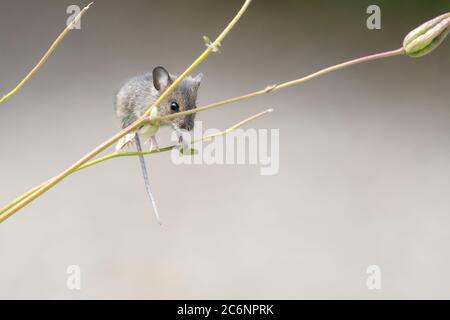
(199, 77)
(161, 78)
(197, 80)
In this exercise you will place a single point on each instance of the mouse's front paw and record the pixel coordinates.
(125, 141)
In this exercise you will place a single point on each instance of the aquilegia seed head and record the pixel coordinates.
(426, 37)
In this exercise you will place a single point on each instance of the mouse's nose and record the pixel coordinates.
(188, 123)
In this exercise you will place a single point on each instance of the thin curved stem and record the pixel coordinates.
(45, 56)
(277, 87)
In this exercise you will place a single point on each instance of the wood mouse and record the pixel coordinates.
(138, 94)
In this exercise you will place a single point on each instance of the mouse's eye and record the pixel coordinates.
(174, 107)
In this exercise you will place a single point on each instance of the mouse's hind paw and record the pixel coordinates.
(154, 146)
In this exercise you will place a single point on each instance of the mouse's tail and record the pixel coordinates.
(146, 179)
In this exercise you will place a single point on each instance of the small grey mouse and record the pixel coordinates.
(138, 94)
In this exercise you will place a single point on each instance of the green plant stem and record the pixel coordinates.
(128, 154)
(45, 56)
(133, 127)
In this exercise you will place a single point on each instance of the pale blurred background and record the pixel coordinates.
(364, 155)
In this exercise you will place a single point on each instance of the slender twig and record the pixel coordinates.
(129, 154)
(45, 56)
(209, 49)
(277, 87)
(236, 126)
(133, 127)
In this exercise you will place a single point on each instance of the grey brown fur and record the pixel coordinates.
(140, 93)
